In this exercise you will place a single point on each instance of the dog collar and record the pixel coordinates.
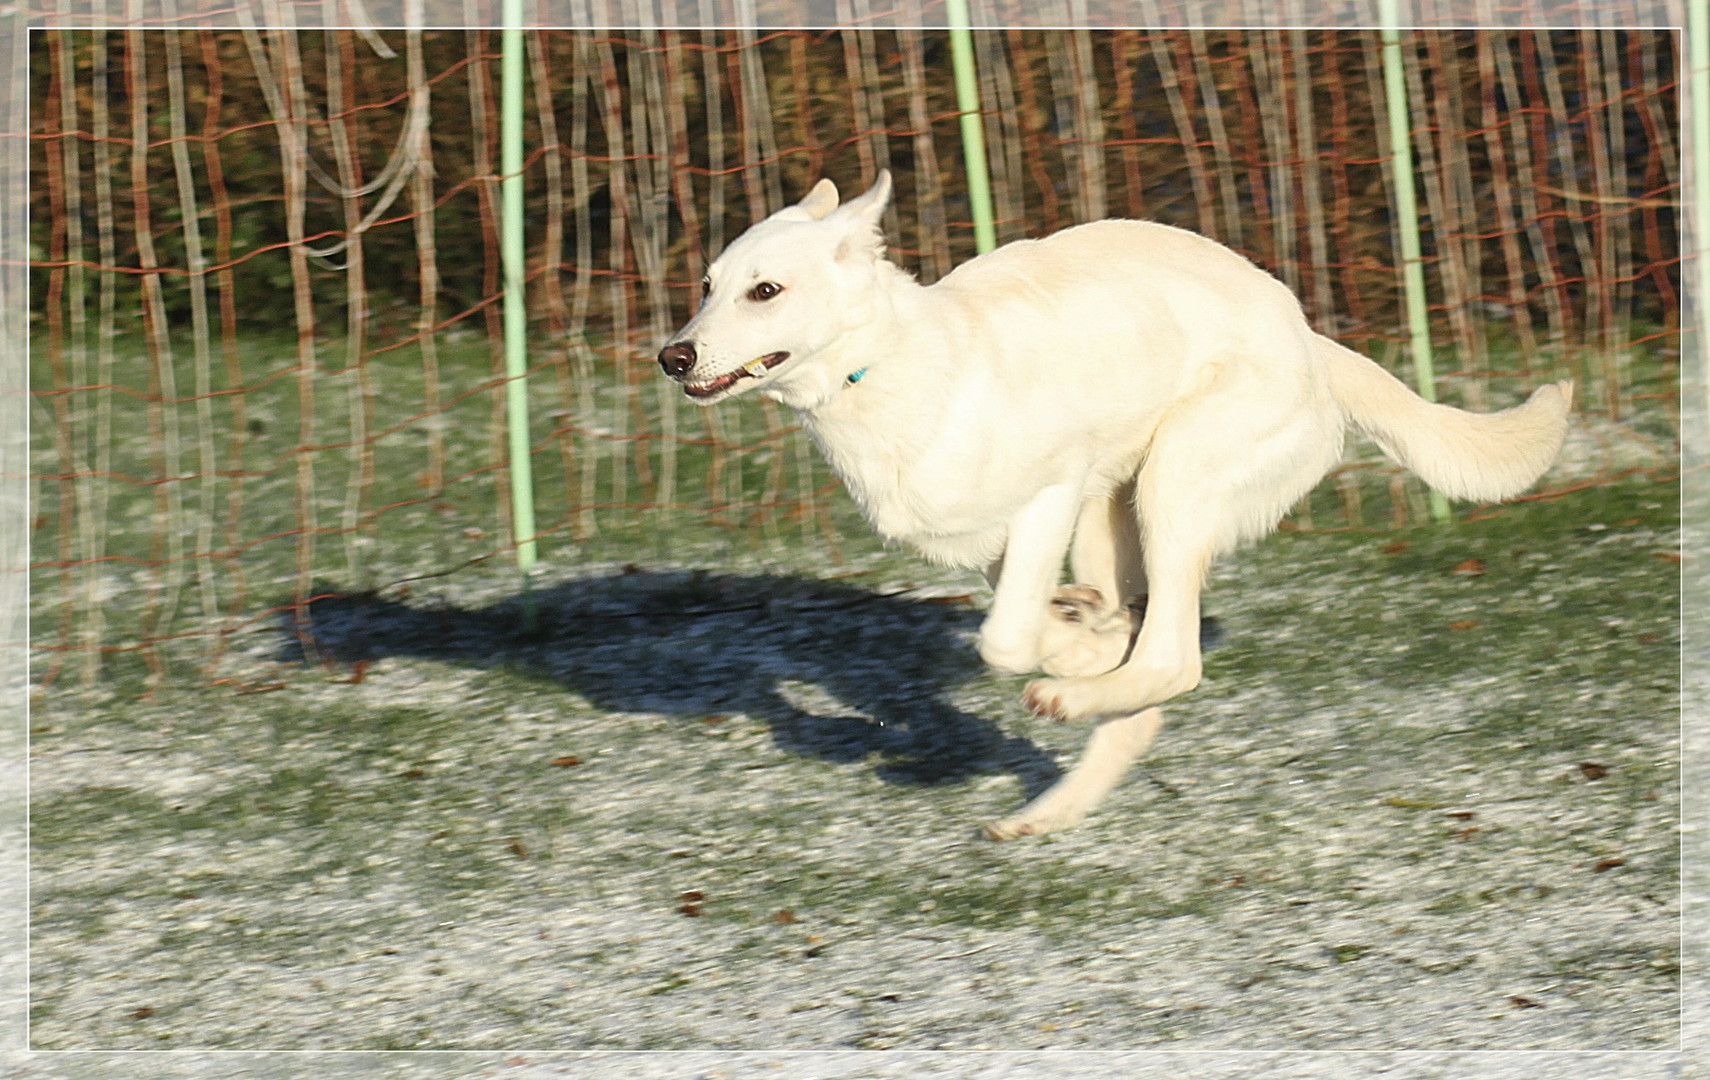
(856, 376)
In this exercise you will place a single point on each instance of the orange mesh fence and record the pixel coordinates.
(266, 269)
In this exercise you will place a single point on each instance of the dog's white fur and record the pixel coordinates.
(1131, 395)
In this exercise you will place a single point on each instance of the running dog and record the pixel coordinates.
(1133, 396)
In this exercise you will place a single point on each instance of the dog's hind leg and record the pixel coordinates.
(1165, 659)
(1222, 467)
(1185, 516)
(1115, 745)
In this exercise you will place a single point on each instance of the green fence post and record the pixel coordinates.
(1407, 213)
(1698, 53)
(973, 131)
(513, 253)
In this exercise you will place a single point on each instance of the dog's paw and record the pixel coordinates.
(1090, 654)
(1053, 699)
(1039, 817)
(1005, 829)
(1011, 657)
(1077, 604)
(1125, 690)
(1011, 828)
(1083, 637)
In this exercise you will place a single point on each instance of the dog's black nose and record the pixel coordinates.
(677, 359)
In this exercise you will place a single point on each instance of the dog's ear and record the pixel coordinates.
(816, 204)
(865, 214)
(820, 201)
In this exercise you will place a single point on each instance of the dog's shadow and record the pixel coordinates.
(837, 672)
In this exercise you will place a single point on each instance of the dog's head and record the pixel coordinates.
(779, 296)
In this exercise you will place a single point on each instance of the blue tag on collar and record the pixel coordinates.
(856, 377)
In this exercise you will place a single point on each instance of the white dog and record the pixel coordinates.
(1133, 396)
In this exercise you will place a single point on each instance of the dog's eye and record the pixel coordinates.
(765, 290)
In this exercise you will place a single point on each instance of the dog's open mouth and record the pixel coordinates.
(751, 370)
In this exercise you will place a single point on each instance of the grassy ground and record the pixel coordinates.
(726, 797)
(724, 793)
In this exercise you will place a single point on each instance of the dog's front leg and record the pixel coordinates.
(1025, 578)
(1115, 745)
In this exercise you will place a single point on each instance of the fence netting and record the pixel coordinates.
(267, 282)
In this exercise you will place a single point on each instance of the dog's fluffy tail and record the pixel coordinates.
(1477, 456)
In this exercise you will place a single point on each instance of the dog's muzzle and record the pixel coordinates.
(679, 358)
